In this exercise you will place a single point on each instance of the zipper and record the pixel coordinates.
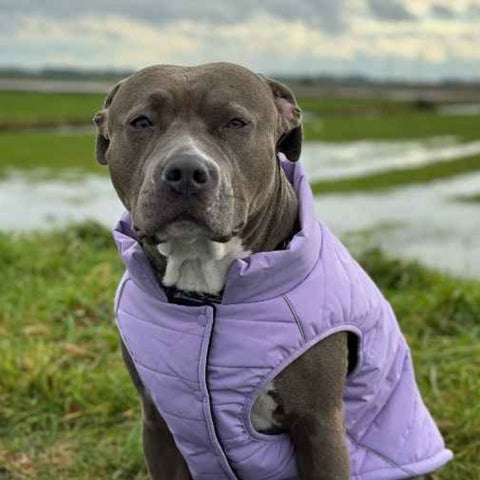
(230, 474)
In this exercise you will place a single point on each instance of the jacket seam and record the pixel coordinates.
(187, 419)
(300, 281)
(387, 401)
(157, 325)
(119, 296)
(296, 317)
(221, 455)
(383, 457)
(150, 369)
(130, 352)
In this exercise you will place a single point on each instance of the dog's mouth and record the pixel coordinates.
(184, 226)
(187, 227)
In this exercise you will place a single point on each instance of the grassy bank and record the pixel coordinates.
(53, 153)
(392, 126)
(398, 178)
(35, 109)
(475, 198)
(69, 411)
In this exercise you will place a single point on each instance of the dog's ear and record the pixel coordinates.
(290, 132)
(100, 119)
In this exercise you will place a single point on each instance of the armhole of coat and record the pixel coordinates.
(354, 342)
(250, 400)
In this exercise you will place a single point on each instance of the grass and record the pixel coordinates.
(392, 126)
(53, 153)
(332, 105)
(343, 119)
(69, 410)
(33, 109)
(475, 198)
(397, 178)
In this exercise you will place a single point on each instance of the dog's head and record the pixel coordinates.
(192, 150)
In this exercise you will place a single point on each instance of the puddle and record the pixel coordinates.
(328, 161)
(419, 222)
(423, 222)
(34, 205)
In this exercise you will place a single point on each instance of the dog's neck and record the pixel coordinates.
(201, 266)
(276, 220)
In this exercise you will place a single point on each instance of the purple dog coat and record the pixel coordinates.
(205, 365)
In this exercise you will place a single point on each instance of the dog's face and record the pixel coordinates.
(192, 150)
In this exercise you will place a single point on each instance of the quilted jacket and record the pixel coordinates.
(205, 365)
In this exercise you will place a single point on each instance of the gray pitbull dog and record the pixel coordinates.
(192, 156)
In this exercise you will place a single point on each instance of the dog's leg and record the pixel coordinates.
(310, 392)
(164, 461)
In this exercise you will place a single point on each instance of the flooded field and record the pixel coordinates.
(32, 204)
(334, 160)
(425, 222)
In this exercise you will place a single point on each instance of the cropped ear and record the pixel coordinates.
(290, 131)
(100, 119)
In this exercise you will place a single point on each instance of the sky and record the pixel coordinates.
(382, 39)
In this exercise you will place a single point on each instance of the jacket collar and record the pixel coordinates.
(259, 276)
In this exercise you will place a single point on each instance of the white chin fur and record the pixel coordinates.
(199, 265)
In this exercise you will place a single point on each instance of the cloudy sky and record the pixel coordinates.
(412, 39)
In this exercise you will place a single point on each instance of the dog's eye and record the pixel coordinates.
(236, 123)
(141, 122)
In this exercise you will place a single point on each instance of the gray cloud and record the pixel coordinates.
(326, 14)
(390, 10)
(441, 11)
(474, 11)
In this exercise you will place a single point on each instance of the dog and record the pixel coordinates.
(203, 159)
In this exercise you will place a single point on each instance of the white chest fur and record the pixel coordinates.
(263, 410)
(199, 265)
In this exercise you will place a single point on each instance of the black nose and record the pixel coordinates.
(187, 175)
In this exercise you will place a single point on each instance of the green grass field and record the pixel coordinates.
(53, 154)
(69, 410)
(32, 109)
(470, 198)
(392, 125)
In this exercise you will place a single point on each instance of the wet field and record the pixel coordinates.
(356, 148)
(424, 222)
